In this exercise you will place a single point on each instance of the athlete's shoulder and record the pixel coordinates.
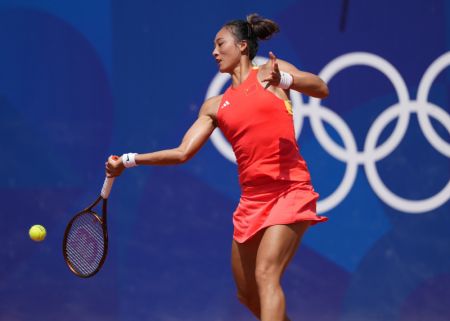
(213, 100)
(210, 106)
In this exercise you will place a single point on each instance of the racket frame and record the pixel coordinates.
(103, 221)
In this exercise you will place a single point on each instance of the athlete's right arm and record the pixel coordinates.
(193, 140)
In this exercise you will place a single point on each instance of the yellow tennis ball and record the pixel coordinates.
(37, 233)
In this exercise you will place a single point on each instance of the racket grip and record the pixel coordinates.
(107, 185)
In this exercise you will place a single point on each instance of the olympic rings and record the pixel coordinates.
(371, 153)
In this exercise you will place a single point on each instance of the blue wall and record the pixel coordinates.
(80, 80)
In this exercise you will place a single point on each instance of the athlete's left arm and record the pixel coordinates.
(304, 82)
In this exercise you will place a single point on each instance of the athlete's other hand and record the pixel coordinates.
(273, 79)
(114, 166)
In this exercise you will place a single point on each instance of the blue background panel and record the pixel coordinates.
(82, 80)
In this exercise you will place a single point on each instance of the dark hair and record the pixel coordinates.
(251, 30)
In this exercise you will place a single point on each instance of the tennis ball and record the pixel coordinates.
(37, 233)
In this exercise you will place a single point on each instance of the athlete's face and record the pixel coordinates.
(227, 50)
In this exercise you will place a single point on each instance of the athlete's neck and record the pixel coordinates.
(241, 72)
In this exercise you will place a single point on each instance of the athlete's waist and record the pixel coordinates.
(262, 176)
(271, 186)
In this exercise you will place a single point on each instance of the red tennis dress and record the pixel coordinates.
(275, 181)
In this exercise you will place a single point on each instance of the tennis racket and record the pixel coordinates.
(85, 243)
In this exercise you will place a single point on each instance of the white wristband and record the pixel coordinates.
(129, 160)
(285, 80)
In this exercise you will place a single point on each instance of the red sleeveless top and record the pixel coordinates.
(260, 129)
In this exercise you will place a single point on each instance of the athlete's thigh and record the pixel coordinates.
(243, 262)
(278, 245)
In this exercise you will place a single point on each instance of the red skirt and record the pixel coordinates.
(280, 202)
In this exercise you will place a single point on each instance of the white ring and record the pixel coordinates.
(422, 96)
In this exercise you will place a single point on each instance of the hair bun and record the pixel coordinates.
(262, 28)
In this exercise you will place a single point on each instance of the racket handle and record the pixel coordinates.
(107, 185)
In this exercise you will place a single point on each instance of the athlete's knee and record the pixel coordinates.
(267, 274)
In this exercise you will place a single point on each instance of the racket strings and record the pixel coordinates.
(85, 244)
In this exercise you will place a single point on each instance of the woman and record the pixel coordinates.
(278, 203)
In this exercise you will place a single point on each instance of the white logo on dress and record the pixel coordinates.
(225, 104)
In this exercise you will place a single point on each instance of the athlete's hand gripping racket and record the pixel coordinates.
(85, 243)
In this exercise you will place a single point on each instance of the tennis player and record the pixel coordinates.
(278, 202)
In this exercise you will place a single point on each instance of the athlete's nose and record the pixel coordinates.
(215, 52)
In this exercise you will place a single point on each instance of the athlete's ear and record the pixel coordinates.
(243, 46)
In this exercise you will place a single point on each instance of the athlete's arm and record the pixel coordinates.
(191, 143)
(304, 82)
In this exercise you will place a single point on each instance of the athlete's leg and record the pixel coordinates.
(243, 262)
(243, 259)
(277, 247)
